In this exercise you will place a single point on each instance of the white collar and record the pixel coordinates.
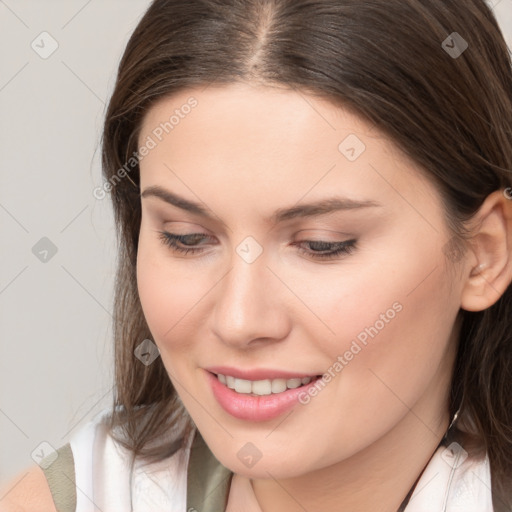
(453, 482)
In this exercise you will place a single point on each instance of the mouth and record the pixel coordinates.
(261, 399)
(263, 387)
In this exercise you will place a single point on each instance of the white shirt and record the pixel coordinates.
(449, 483)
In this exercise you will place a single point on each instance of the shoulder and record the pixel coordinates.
(34, 488)
(27, 492)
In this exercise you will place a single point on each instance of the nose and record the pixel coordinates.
(250, 305)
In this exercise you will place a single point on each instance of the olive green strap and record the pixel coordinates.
(208, 481)
(59, 469)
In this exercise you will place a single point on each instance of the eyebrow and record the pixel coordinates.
(317, 208)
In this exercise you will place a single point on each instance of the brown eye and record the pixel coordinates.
(189, 240)
(326, 250)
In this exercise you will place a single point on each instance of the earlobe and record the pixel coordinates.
(491, 245)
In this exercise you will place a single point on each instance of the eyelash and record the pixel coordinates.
(346, 247)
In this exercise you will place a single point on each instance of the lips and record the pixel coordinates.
(258, 373)
(256, 407)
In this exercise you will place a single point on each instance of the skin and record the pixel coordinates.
(244, 152)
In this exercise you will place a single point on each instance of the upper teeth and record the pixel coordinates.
(262, 387)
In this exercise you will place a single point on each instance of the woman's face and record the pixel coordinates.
(276, 177)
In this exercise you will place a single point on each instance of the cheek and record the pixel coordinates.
(384, 306)
(172, 299)
(393, 343)
(378, 368)
(396, 321)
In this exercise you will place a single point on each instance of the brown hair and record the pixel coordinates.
(388, 61)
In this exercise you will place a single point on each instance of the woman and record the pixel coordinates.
(313, 300)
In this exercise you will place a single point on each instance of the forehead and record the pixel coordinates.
(238, 135)
(274, 113)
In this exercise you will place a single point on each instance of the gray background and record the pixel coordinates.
(55, 309)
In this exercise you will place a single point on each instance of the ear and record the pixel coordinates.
(489, 269)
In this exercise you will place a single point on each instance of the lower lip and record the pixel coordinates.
(255, 408)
